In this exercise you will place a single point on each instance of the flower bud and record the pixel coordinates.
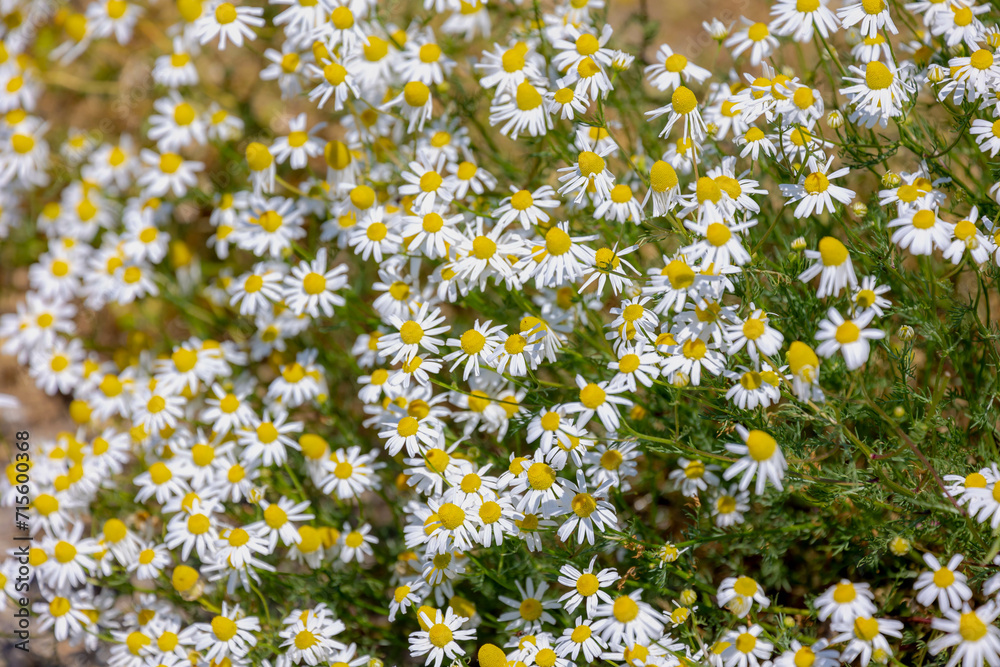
(717, 29)
(799, 244)
(900, 546)
(688, 597)
(859, 209)
(936, 73)
(835, 119)
(906, 333)
(891, 180)
(621, 61)
(669, 553)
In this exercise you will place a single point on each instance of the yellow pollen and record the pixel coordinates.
(877, 75)
(832, 252)
(760, 445)
(683, 100)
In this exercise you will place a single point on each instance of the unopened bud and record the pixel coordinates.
(799, 244)
(717, 29)
(891, 180)
(906, 333)
(835, 119)
(859, 209)
(900, 546)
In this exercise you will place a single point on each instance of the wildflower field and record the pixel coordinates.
(499, 332)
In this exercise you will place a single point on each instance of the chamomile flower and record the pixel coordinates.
(845, 601)
(589, 171)
(745, 647)
(761, 458)
(521, 111)
(729, 505)
(230, 633)
(531, 611)
(814, 192)
(865, 636)
(832, 262)
(627, 620)
(672, 69)
(943, 584)
(527, 207)
(872, 15)
(600, 398)
(971, 631)
(755, 38)
(756, 334)
(693, 476)
(799, 19)
(587, 587)
(311, 288)
(229, 23)
(879, 91)
(849, 337)
(737, 594)
(683, 107)
(167, 172)
(868, 295)
(587, 513)
(438, 640)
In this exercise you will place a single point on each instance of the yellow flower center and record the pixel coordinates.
(816, 183)
(760, 445)
(416, 94)
(746, 642)
(407, 426)
(943, 578)
(745, 586)
(675, 63)
(832, 252)
(865, 629)
(225, 13)
(224, 628)
(877, 75)
(683, 100)
(489, 512)
(541, 476)
(848, 332)
(557, 242)
(971, 627)
(527, 97)
(65, 552)
(625, 609)
(451, 516)
(587, 45)
(718, 234)
(583, 505)
(590, 163)
(483, 247)
(924, 219)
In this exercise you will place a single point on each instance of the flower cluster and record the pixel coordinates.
(479, 329)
